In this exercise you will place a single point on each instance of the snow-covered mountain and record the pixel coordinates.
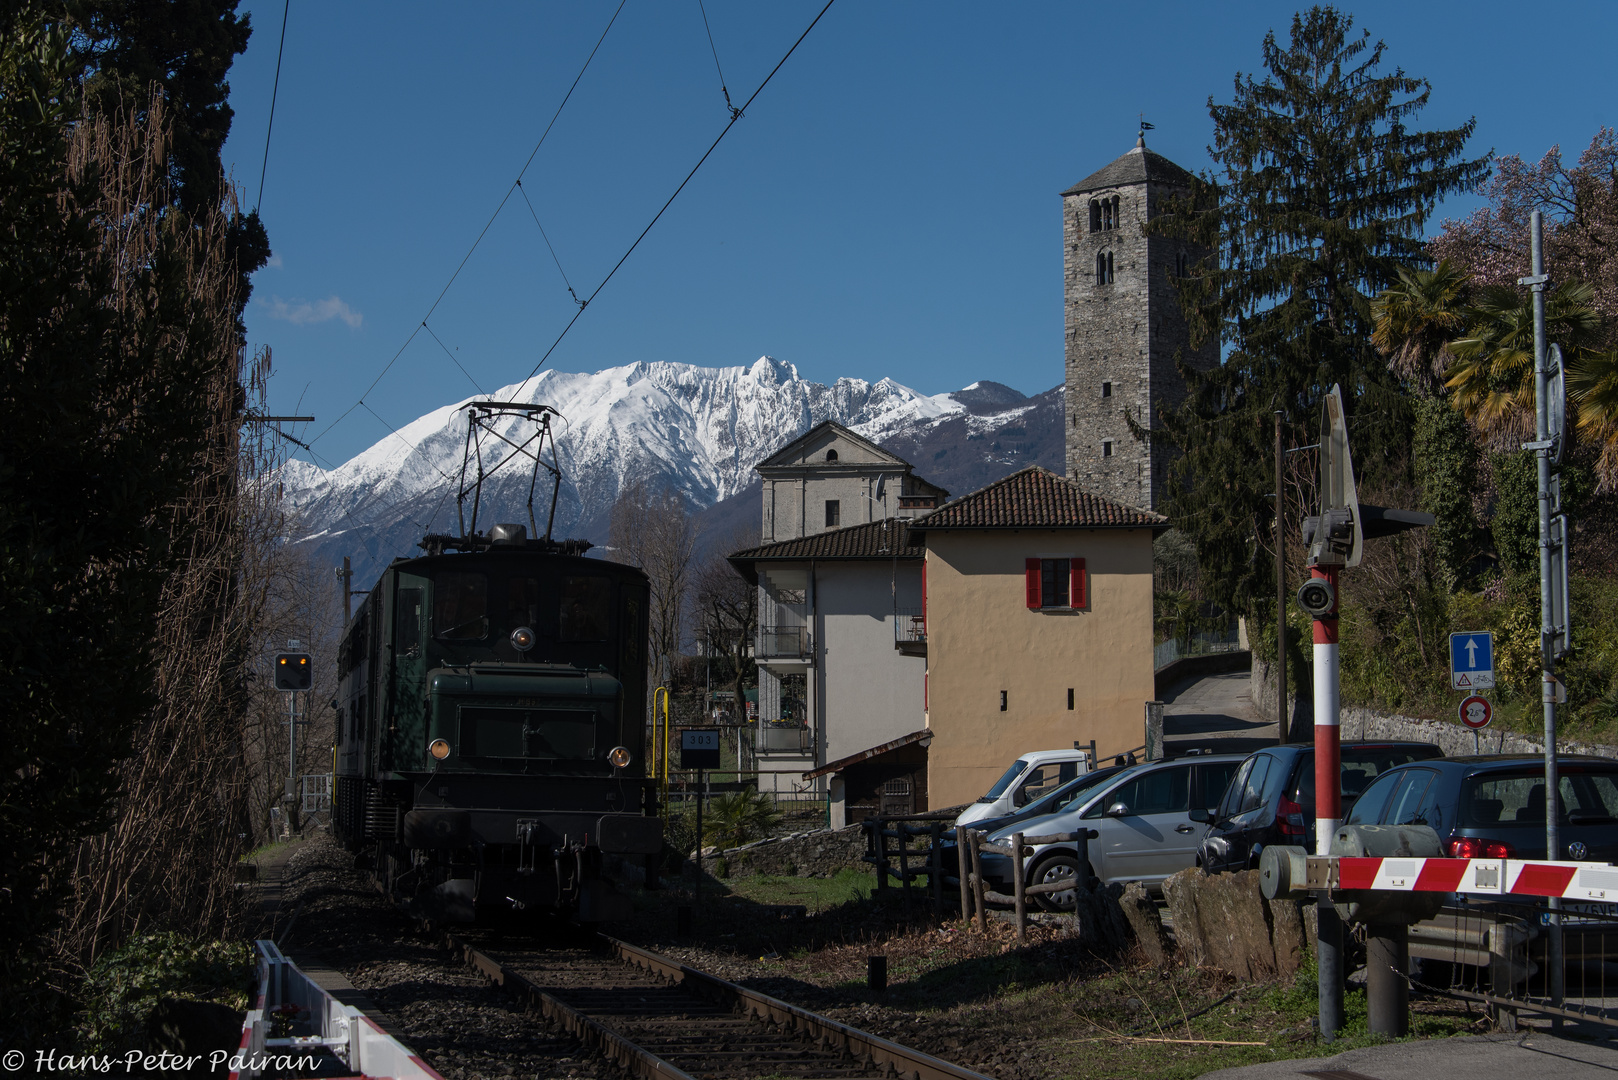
(697, 430)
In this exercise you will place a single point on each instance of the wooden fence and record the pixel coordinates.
(910, 863)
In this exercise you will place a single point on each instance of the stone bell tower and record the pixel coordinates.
(1124, 327)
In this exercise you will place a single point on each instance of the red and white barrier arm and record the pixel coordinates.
(1493, 877)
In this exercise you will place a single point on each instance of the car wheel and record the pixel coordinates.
(1058, 868)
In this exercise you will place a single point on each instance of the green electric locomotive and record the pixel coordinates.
(490, 717)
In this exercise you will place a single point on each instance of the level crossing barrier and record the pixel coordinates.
(1489, 942)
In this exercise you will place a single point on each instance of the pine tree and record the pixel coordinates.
(1319, 197)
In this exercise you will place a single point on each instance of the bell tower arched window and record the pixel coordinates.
(1103, 268)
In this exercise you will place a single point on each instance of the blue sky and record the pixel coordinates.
(887, 207)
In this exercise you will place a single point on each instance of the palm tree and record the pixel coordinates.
(1492, 376)
(737, 817)
(1415, 321)
(1592, 384)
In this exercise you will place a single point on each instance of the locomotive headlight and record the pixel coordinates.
(619, 756)
(522, 639)
(439, 749)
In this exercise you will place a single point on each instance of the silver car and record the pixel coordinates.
(1139, 827)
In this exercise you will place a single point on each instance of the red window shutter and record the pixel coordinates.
(1079, 588)
(1031, 582)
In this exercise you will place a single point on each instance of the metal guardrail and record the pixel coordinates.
(294, 1025)
(1166, 652)
(1496, 953)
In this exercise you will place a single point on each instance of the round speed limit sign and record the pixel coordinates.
(1476, 712)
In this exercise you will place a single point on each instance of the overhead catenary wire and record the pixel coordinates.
(548, 245)
(476, 385)
(274, 92)
(462, 264)
(407, 442)
(736, 115)
(734, 112)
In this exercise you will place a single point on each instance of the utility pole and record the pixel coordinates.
(1281, 718)
(345, 574)
(1537, 282)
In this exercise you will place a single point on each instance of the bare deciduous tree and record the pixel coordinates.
(166, 858)
(728, 608)
(655, 531)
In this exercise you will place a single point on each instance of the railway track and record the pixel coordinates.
(656, 1017)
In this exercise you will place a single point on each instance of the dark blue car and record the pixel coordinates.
(1492, 807)
(1271, 799)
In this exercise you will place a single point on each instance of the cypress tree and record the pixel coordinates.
(1320, 194)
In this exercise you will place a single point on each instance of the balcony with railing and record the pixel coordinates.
(910, 631)
(785, 737)
(785, 646)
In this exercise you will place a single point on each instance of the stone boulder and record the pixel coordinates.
(1141, 911)
(1223, 921)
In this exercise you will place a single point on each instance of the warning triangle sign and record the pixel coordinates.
(1462, 681)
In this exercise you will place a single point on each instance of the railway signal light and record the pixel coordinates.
(293, 671)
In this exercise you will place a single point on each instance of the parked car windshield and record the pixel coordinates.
(1518, 797)
(1064, 796)
(1361, 765)
(1004, 782)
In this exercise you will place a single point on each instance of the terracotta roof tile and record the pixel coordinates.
(1036, 498)
(873, 540)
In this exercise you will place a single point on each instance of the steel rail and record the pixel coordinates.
(906, 1061)
(594, 1034)
(901, 1061)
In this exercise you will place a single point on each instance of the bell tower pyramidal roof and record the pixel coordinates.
(1139, 166)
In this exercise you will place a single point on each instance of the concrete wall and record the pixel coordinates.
(983, 639)
(867, 692)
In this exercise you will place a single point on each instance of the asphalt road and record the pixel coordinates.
(1214, 713)
(1520, 1056)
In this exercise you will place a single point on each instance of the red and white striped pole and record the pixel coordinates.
(1328, 752)
(1328, 804)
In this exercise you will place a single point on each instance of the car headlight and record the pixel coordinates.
(439, 749)
(522, 639)
(619, 756)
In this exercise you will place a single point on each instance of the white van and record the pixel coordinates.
(1029, 777)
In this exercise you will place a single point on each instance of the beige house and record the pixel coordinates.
(1038, 609)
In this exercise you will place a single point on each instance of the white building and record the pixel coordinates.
(841, 652)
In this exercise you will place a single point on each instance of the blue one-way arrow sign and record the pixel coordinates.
(1471, 661)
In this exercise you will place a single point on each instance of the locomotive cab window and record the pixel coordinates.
(522, 603)
(407, 622)
(461, 606)
(586, 604)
